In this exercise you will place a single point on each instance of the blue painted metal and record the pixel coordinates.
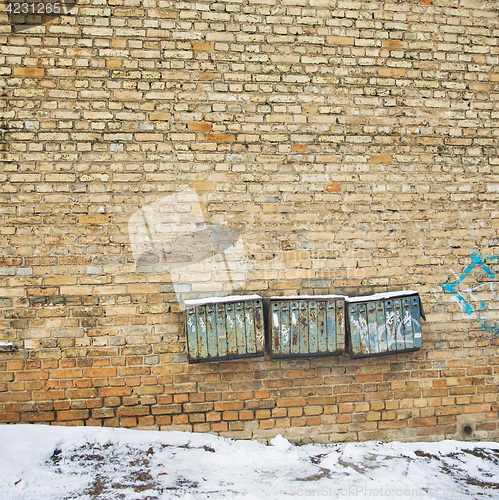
(390, 326)
(339, 311)
(313, 344)
(231, 328)
(321, 327)
(211, 324)
(381, 331)
(240, 318)
(416, 313)
(285, 332)
(202, 340)
(372, 326)
(384, 324)
(308, 326)
(224, 329)
(295, 338)
(407, 333)
(302, 326)
(221, 331)
(191, 331)
(397, 319)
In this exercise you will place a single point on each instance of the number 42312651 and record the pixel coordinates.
(34, 8)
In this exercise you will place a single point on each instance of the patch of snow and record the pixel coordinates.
(307, 297)
(55, 463)
(217, 300)
(280, 443)
(381, 296)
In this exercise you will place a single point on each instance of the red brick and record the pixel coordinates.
(229, 405)
(200, 127)
(70, 373)
(213, 416)
(130, 411)
(163, 420)
(262, 394)
(115, 391)
(246, 415)
(100, 372)
(128, 422)
(267, 424)
(61, 405)
(345, 408)
(180, 419)
(230, 415)
(9, 417)
(423, 422)
(311, 421)
(33, 375)
(220, 137)
(38, 416)
(477, 408)
(344, 419)
(286, 402)
(15, 365)
(220, 427)
(72, 415)
(262, 414)
(373, 377)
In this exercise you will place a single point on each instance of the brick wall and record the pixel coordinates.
(354, 145)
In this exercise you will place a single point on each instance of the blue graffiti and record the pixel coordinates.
(480, 261)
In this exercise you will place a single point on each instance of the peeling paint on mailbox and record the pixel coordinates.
(384, 323)
(308, 326)
(219, 329)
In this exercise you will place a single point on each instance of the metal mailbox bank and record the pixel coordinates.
(307, 325)
(384, 323)
(224, 328)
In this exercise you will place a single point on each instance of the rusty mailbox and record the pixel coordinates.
(224, 328)
(306, 325)
(384, 323)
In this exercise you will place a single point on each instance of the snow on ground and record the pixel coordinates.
(49, 462)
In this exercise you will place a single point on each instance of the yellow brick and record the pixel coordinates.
(203, 186)
(202, 46)
(381, 158)
(394, 44)
(160, 116)
(220, 137)
(30, 72)
(114, 63)
(340, 40)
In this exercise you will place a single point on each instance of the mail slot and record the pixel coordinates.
(384, 323)
(224, 328)
(307, 325)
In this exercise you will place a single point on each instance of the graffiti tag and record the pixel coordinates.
(478, 301)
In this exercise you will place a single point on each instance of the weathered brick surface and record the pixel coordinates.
(354, 145)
